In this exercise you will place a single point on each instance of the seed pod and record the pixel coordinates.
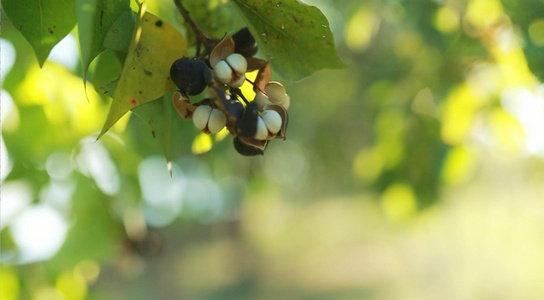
(272, 120)
(245, 43)
(261, 100)
(262, 131)
(190, 75)
(201, 116)
(280, 109)
(238, 82)
(237, 62)
(223, 72)
(247, 148)
(217, 121)
(275, 92)
(246, 126)
(286, 102)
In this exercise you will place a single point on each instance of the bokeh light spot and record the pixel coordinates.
(368, 165)
(38, 232)
(458, 166)
(398, 202)
(9, 283)
(202, 143)
(446, 19)
(360, 28)
(89, 269)
(536, 32)
(483, 13)
(72, 285)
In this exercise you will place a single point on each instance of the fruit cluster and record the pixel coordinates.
(221, 73)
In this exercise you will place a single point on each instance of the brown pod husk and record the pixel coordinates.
(255, 63)
(183, 106)
(221, 50)
(263, 77)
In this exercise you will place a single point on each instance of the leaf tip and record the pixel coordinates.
(169, 167)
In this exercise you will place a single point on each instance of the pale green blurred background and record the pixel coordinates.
(417, 172)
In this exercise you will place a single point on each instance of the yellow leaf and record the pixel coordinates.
(145, 77)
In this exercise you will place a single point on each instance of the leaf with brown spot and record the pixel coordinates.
(146, 72)
(43, 23)
(294, 37)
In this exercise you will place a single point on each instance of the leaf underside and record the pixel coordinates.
(294, 37)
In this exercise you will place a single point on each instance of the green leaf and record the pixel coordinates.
(107, 68)
(146, 73)
(295, 37)
(43, 23)
(95, 18)
(120, 33)
(158, 115)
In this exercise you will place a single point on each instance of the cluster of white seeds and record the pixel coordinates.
(231, 70)
(269, 122)
(274, 93)
(208, 119)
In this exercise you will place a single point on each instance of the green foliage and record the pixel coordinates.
(121, 31)
(296, 38)
(527, 15)
(159, 116)
(43, 22)
(94, 19)
(431, 135)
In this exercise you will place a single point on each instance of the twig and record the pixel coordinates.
(238, 92)
(200, 35)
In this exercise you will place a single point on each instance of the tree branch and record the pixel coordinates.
(201, 37)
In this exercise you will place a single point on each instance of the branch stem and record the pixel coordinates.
(201, 37)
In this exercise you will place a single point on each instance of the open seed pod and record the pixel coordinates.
(182, 105)
(228, 104)
(246, 125)
(221, 50)
(245, 43)
(284, 120)
(249, 146)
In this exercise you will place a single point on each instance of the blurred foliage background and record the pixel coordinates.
(414, 173)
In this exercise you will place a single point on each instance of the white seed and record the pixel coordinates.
(275, 91)
(223, 72)
(272, 120)
(286, 102)
(238, 82)
(217, 121)
(237, 62)
(201, 116)
(262, 131)
(261, 99)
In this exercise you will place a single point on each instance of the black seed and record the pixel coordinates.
(232, 107)
(244, 43)
(246, 149)
(190, 75)
(246, 126)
